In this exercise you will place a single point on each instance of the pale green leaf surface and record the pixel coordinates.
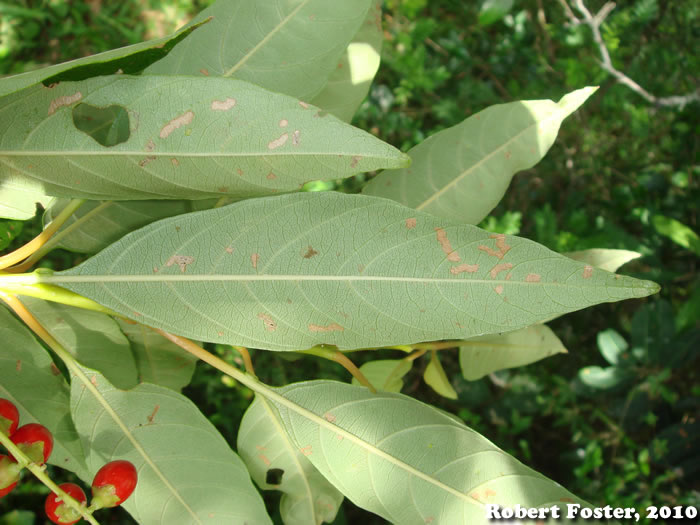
(213, 137)
(158, 360)
(494, 10)
(404, 460)
(463, 172)
(93, 338)
(349, 84)
(129, 59)
(611, 345)
(308, 499)
(294, 271)
(605, 259)
(602, 378)
(385, 374)
(480, 356)
(287, 46)
(677, 232)
(436, 378)
(187, 472)
(19, 197)
(32, 382)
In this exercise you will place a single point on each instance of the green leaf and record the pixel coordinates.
(611, 345)
(494, 10)
(349, 84)
(19, 197)
(297, 270)
(677, 232)
(437, 379)
(33, 383)
(409, 463)
(602, 378)
(97, 224)
(187, 472)
(463, 172)
(158, 360)
(8, 231)
(214, 137)
(93, 338)
(480, 356)
(287, 46)
(385, 374)
(266, 450)
(129, 59)
(610, 260)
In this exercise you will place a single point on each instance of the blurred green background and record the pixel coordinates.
(622, 174)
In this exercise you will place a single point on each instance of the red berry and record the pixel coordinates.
(113, 484)
(58, 511)
(9, 417)
(35, 441)
(9, 474)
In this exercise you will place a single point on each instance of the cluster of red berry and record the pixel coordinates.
(112, 484)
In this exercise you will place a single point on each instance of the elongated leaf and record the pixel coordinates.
(385, 374)
(93, 338)
(19, 197)
(187, 472)
(129, 59)
(158, 360)
(404, 460)
(275, 463)
(437, 379)
(349, 84)
(605, 259)
(482, 355)
(462, 172)
(287, 46)
(213, 137)
(33, 383)
(293, 271)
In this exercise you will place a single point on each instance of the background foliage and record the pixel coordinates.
(622, 174)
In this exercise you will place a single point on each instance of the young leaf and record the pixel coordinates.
(187, 472)
(611, 345)
(385, 374)
(480, 356)
(33, 383)
(609, 260)
(410, 463)
(677, 232)
(129, 59)
(462, 172)
(93, 338)
(275, 463)
(437, 379)
(214, 137)
(287, 46)
(293, 271)
(347, 87)
(159, 361)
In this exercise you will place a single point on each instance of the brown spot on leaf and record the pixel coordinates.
(411, 223)
(533, 278)
(254, 260)
(500, 268)
(284, 123)
(270, 324)
(333, 327)
(181, 260)
(503, 248)
(54, 370)
(153, 414)
(508, 155)
(355, 160)
(587, 272)
(446, 246)
(220, 334)
(296, 137)
(65, 100)
(150, 145)
(175, 162)
(155, 269)
(222, 189)
(93, 380)
(229, 249)
(462, 268)
(360, 268)
(18, 365)
(307, 450)
(271, 176)
(265, 460)
(240, 171)
(499, 289)
(145, 161)
(303, 105)
(177, 122)
(204, 71)
(274, 144)
(310, 252)
(329, 417)
(223, 105)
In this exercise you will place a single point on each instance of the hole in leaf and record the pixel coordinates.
(108, 126)
(274, 476)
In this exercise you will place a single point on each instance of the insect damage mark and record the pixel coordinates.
(223, 105)
(146, 160)
(500, 268)
(18, 365)
(181, 260)
(274, 144)
(355, 160)
(153, 414)
(229, 249)
(499, 289)
(333, 327)
(303, 105)
(533, 278)
(150, 145)
(503, 248)
(254, 258)
(310, 252)
(265, 460)
(296, 137)
(284, 123)
(269, 322)
(65, 100)
(587, 272)
(204, 71)
(177, 122)
(462, 268)
(446, 246)
(271, 176)
(307, 450)
(411, 223)
(329, 417)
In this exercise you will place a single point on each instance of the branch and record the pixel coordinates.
(594, 22)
